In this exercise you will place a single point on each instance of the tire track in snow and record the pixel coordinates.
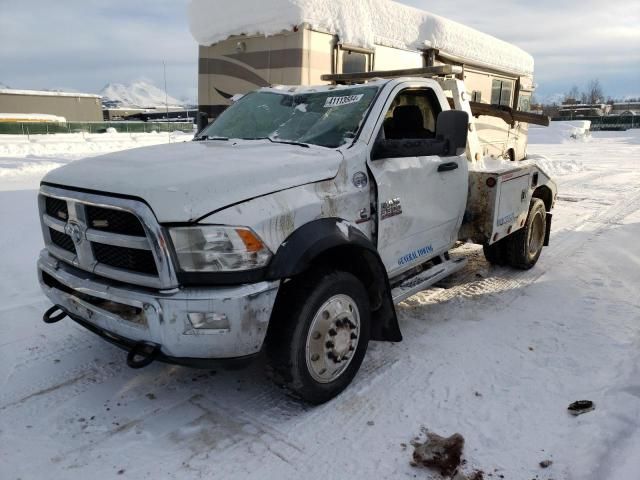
(501, 280)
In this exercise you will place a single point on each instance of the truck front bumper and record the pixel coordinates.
(232, 321)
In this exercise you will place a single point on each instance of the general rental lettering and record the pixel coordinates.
(410, 257)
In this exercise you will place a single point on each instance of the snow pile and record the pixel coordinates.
(81, 144)
(47, 93)
(557, 165)
(560, 132)
(25, 160)
(363, 23)
(140, 94)
(31, 117)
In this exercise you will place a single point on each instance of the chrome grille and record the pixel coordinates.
(62, 240)
(112, 237)
(116, 221)
(57, 208)
(140, 261)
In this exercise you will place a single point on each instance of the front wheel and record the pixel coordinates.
(321, 335)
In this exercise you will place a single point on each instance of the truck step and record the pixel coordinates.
(427, 278)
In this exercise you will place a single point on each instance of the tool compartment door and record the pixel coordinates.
(513, 203)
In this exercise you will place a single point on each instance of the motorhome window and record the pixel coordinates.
(524, 102)
(328, 118)
(501, 92)
(412, 114)
(476, 96)
(353, 62)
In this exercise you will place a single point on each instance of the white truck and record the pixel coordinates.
(293, 224)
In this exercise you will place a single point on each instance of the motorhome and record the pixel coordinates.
(296, 43)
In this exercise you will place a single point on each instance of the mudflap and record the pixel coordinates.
(547, 235)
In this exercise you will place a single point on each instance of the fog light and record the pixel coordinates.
(209, 321)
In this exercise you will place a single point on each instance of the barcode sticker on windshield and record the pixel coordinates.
(340, 101)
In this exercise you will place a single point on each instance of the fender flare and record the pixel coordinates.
(297, 254)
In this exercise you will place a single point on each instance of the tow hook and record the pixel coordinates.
(142, 354)
(49, 316)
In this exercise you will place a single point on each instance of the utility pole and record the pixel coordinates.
(166, 99)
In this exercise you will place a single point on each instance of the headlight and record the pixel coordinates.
(218, 249)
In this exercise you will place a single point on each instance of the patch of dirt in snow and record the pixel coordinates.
(440, 453)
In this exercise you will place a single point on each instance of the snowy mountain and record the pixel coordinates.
(139, 94)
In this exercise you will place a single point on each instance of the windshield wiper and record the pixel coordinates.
(205, 137)
(290, 142)
(286, 142)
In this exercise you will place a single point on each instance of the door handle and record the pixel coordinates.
(447, 167)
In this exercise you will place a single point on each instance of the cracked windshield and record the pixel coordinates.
(328, 118)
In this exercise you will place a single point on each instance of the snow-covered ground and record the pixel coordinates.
(493, 354)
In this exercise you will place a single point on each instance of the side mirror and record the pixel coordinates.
(453, 128)
(202, 120)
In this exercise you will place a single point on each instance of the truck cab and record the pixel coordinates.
(292, 224)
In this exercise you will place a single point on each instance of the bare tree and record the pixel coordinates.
(594, 92)
(584, 98)
(572, 96)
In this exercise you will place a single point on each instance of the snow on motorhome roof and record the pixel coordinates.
(364, 23)
(46, 93)
(300, 89)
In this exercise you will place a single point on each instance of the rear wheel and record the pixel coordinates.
(525, 246)
(510, 155)
(320, 335)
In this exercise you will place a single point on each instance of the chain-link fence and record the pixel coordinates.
(26, 128)
(609, 122)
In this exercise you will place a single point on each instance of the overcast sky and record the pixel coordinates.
(84, 44)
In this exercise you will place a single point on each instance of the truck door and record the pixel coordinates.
(421, 198)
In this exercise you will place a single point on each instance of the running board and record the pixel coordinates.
(425, 279)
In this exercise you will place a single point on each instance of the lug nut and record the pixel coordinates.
(329, 345)
(338, 323)
(353, 336)
(332, 332)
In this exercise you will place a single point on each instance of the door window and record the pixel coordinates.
(413, 114)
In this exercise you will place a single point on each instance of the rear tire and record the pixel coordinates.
(320, 334)
(524, 247)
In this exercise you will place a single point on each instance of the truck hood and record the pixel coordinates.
(185, 181)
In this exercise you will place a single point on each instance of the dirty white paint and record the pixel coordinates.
(202, 176)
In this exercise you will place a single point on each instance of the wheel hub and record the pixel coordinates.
(333, 338)
(536, 235)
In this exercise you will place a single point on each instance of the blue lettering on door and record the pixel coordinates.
(410, 257)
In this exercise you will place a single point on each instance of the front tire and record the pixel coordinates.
(320, 336)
